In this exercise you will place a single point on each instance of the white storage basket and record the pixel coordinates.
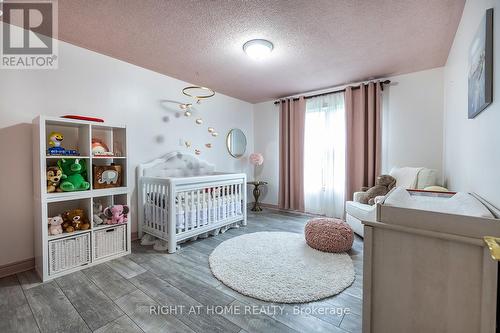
(68, 253)
(110, 241)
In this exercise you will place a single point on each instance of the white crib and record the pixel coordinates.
(182, 197)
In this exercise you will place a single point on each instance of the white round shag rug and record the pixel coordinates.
(280, 267)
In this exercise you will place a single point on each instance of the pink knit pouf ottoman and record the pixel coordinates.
(329, 235)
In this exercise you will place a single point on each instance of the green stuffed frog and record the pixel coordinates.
(73, 177)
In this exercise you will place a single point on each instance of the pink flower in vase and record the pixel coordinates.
(256, 159)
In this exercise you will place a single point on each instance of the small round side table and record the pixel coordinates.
(256, 194)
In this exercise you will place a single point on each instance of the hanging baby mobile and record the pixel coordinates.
(198, 93)
(187, 108)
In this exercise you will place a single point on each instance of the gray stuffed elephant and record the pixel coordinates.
(383, 185)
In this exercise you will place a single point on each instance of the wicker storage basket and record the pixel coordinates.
(68, 253)
(110, 241)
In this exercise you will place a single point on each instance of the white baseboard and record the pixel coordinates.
(27, 264)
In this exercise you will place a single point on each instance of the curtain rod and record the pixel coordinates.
(334, 91)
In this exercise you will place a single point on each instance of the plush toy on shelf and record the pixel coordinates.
(75, 220)
(74, 172)
(116, 214)
(55, 227)
(55, 139)
(99, 148)
(68, 227)
(54, 176)
(54, 143)
(98, 216)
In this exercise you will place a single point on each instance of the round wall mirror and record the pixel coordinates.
(236, 142)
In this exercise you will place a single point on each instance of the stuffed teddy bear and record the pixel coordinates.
(116, 214)
(55, 225)
(383, 185)
(75, 220)
(74, 171)
(98, 216)
(54, 175)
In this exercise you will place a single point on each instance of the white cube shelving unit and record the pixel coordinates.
(56, 255)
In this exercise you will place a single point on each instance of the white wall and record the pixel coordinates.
(266, 128)
(412, 123)
(88, 83)
(472, 147)
(412, 128)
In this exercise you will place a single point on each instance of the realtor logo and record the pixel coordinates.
(28, 35)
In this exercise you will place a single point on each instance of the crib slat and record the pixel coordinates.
(157, 210)
(233, 200)
(146, 203)
(152, 206)
(202, 207)
(239, 199)
(198, 208)
(219, 204)
(180, 212)
(167, 207)
(152, 212)
(177, 213)
(183, 210)
(192, 211)
(216, 207)
(186, 210)
(209, 204)
(230, 202)
(184, 203)
(226, 199)
(221, 215)
(153, 215)
(163, 206)
(223, 202)
(211, 207)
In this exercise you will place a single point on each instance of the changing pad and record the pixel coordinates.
(461, 203)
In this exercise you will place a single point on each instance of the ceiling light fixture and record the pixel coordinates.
(258, 48)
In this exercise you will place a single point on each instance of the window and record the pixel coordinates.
(324, 155)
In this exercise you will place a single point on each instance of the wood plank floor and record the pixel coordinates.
(117, 296)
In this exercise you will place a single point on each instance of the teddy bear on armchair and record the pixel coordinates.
(383, 185)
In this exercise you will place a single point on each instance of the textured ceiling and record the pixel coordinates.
(317, 43)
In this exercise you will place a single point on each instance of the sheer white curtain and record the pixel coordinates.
(324, 155)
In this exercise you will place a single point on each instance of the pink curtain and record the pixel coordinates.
(291, 182)
(363, 136)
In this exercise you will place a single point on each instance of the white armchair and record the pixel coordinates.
(409, 178)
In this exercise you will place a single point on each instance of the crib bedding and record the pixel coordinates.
(159, 198)
(190, 215)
